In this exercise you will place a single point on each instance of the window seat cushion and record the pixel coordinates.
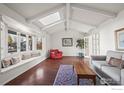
(19, 64)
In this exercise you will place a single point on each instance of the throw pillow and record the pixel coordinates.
(115, 62)
(26, 56)
(113, 54)
(15, 60)
(6, 62)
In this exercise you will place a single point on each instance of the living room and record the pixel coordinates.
(80, 32)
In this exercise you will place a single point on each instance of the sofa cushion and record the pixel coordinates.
(113, 54)
(6, 62)
(98, 64)
(112, 72)
(15, 60)
(115, 62)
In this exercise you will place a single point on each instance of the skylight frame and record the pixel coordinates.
(49, 19)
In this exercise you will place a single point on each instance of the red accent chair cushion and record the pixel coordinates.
(55, 54)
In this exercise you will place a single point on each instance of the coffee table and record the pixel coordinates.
(83, 71)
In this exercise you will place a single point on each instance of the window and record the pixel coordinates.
(23, 42)
(96, 44)
(12, 41)
(30, 42)
(50, 18)
(39, 43)
(86, 46)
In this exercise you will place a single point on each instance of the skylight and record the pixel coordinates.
(50, 18)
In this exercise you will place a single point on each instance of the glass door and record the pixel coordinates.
(86, 46)
(95, 44)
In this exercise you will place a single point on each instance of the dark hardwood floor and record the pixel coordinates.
(44, 73)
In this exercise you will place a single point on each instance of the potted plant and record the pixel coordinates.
(80, 44)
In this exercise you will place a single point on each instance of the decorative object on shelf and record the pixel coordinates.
(119, 36)
(67, 42)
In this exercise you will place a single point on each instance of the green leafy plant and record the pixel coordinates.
(81, 43)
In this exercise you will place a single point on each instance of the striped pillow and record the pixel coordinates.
(115, 62)
(6, 62)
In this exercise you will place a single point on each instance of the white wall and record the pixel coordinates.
(48, 44)
(107, 32)
(56, 42)
(11, 74)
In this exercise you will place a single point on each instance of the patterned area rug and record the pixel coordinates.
(67, 76)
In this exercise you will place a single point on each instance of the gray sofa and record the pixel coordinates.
(101, 63)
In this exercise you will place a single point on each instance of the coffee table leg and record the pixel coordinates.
(77, 80)
(94, 80)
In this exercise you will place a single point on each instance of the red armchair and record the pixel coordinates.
(55, 54)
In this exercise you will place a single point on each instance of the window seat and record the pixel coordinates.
(19, 64)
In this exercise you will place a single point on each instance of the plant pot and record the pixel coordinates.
(81, 55)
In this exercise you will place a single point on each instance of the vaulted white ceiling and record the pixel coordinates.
(108, 7)
(28, 10)
(81, 17)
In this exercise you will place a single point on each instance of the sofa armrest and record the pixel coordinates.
(101, 58)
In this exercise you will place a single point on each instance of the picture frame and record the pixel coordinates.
(67, 42)
(119, 38)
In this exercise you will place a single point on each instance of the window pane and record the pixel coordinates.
(95, 41)
(93, 36)
(30, 42)
(97, 36)
(12, 41)
(23, 42)
(39, 43)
